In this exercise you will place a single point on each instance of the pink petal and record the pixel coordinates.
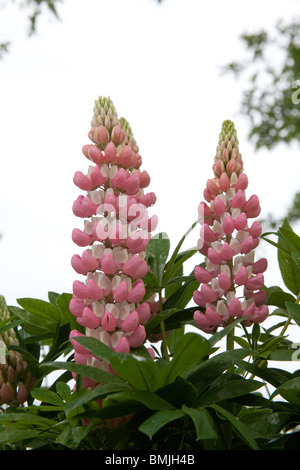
(131, 322)
(138, 337)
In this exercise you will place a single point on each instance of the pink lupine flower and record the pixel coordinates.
(231, 284)
(109, 301)
(16, 379)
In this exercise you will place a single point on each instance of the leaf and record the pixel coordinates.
(174, 339)
(240, 428)
(95, 394)
(266, 423)
(174, 256)
(44, 395)
(288, 267)
(290, 236)
(178, 393)
(63, 302)
(149, 399)
(203, 422)
(294, 311)
(139, 372)
(8, 435)
(159, 419)
(157, 252)
(277, 297)
(64, 391)
(192, 349)
(227, 390)
(290, 391)
(98, 375)
(71, 436)
(97, 348)
(180, 298)
(204, 373)
(40, 308)
(155, 321)
(296, 257)
(216, 337)
(33, 325)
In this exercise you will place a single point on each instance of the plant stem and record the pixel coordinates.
(163, 332)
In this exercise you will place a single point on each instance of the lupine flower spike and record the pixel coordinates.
(231, 283)
(16, 380)
(108, 303)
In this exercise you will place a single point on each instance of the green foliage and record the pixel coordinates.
(198, 398)
(270, 99)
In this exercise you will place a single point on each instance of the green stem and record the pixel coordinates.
(230, 341)
(163, 332)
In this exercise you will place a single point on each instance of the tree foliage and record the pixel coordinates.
(34, 8)
(272, 71)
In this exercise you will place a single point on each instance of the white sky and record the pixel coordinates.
(160, 64)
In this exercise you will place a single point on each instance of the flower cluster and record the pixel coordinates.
(109, 303)
(231, 281)
(16, 380)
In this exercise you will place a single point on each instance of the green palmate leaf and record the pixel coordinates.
(192, 349)
(241, 429)
(204, 373)
(290, 236)
(227, 390)
(296, 258)
(63, 391)
(203, 422)
(174, 339)
(97, 348)
(159, 419)
(139, 372)
(157, 252)
(180, 392)
(154, 322)
(40, 308)
(150, 400)
(266, 423)
(9, 435)
(63, 302)
(290, 391)
(98, 375)
(277, 297)
(24, 419)
(178, 263)
(175, 257)
(288, 267)
(271, 375)
(9, 323)
(216, 337)
(44, 395)
(294, 311)
(180, 298)
(95, 394)
(72, 436)
(174, 284)
(52, 297)
(33, 325)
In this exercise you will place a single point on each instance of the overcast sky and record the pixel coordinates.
(160, 64)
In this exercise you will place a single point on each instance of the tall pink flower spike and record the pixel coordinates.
(109, 302)
(231, 283)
